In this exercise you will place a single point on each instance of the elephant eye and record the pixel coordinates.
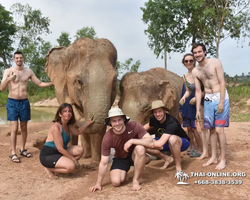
(79, 82)
(145, 108)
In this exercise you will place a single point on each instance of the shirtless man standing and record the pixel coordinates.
(216, 106)
(16, 78)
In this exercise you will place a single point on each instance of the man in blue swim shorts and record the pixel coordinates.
(216, 102)
(170, 136)
(18, 107)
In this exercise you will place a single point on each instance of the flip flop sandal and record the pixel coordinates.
(195, 154)
(190, 151)
(16, 159)
(25, 153)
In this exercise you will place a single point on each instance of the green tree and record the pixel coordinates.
(31, 25)
(64, 39)
(22, 32)
(7, 31)
(231, 18)
(173, 23)
(86, 32)
(127, 66)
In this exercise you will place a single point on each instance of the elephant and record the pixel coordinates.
(139, 89)
(84, 75)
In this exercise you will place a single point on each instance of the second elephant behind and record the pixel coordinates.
(139, 89)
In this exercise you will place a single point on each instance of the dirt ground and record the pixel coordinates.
(27, 180)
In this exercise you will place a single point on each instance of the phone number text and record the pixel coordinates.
(219, 182)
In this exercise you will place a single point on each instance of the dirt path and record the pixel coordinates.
(28, 180)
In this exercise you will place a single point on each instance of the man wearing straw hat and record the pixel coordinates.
(170, 136)
(130, 140)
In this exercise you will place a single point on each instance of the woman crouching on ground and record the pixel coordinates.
(55, 155)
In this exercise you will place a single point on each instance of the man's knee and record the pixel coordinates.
(23, 126)
(219, 130)
(140, 150)
(14, 128)
(116, 182)
(174, 139)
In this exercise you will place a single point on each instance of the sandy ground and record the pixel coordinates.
(27, 180)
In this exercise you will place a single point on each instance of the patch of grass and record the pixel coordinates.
(239, 95)
(3, 98)
(44, 94)
(239, 92)
(240, 117)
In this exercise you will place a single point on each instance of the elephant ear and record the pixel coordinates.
(55, 68)
(167, 94)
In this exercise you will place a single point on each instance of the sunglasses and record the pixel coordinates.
(188, 61)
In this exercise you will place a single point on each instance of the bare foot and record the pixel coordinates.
(203, 155)
(221, 165)
(136, 185)
(50, 174)
(168, 160)
(210, 161)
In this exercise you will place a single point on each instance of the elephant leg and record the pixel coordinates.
(85, 143)
(96, 143)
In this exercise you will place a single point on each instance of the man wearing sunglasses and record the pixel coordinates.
(170, 136)
(216, 106)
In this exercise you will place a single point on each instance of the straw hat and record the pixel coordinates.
(157, 104)
(114, 112)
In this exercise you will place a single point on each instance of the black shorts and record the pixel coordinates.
(122, 163)
(49, 156)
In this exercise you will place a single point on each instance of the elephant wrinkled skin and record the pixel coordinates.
(139, 89)
(84, 75)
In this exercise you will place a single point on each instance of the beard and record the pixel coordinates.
(19, 64)
(202, 59)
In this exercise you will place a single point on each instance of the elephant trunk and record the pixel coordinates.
(98, 102)
(98, 110)
(97, 107)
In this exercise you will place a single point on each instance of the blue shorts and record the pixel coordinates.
(188, 122)
(212, 118)
(18, 108)
(184, 146)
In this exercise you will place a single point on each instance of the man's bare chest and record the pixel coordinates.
(21, 76)
(206, 74)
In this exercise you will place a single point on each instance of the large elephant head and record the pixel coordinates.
(139, 89)
(84, 75)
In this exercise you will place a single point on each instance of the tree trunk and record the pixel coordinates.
(6, 65)
(165, 59)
